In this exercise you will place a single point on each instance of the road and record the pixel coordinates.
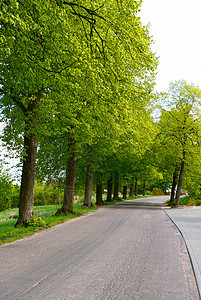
(130, 250)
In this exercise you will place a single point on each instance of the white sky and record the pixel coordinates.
(176, 29)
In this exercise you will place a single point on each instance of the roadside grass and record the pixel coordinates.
(186, 201)
(190, 200)
(8, 218)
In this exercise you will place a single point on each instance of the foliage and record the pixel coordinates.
(179, 138)
(36, 222)
(191, 200)
(187, 201)
(158, 192)
(9, 193)
(68, 68)
(50, 194)
(43, 194)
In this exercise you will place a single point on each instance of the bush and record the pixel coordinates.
(158, 192)
(9, 194)
(149, 193)
(47, 195)
(191, 200)
(43, 195)
(36, 222)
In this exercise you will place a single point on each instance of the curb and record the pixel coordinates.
(191, 254)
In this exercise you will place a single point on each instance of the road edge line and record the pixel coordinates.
(190, 254)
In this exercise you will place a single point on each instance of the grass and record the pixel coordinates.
(187, 201)
(8, 218)
(190, 200)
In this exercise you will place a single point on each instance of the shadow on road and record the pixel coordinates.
(138, 205)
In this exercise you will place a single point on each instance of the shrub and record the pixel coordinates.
(191, 200)
(158, 192)
(149, 193)
(47, 195)
(36, 222)
(15, 195)
(7, 192)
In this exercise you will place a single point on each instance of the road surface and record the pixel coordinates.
(130, 250)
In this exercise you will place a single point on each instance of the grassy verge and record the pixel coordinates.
(190, 200)
(8, 219)
(187, 201)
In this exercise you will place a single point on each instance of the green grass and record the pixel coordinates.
(187, 201)
(190, 200)
(8, 218)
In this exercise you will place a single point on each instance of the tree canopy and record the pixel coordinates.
(73, 74)
(180, 129)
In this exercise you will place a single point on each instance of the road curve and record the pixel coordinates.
(130, 250)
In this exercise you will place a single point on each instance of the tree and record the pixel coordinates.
(120, 64)
(35, 52)
(180, 126)
(66, 55)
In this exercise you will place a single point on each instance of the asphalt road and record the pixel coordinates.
(130, 250)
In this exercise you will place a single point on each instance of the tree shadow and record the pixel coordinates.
(138, 205)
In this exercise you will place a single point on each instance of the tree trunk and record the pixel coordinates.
(69, 188)
(116, 186)
(99, 192)
(144, 188)
(27, 181)
(136, 186)
(131, 190)
(29, 160)
(124, 191)
(88, 186)
(181, 174)
(174, 184)
(109, 189)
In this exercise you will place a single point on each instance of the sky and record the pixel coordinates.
(176, 29)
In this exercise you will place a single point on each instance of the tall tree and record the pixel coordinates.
(50, 50)
(116, 42)
(180, 125)
(35, 52)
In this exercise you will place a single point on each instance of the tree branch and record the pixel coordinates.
(52, 71)
(19, 104)
(88, 10)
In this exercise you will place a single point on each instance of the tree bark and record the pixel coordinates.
(124, 191)
(109, 189)
(27, 181)
(88, 186)
(144, 188)
(29, 158)
(116, 186)
(131, 190)
(67, 207)
(174, 184)
(136, 186)
(99, 192)
(181, 175)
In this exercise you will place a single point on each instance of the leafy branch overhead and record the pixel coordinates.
(75, 75)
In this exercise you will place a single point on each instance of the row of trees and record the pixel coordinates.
(76, 86)
(180, 137)
(76, 79)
